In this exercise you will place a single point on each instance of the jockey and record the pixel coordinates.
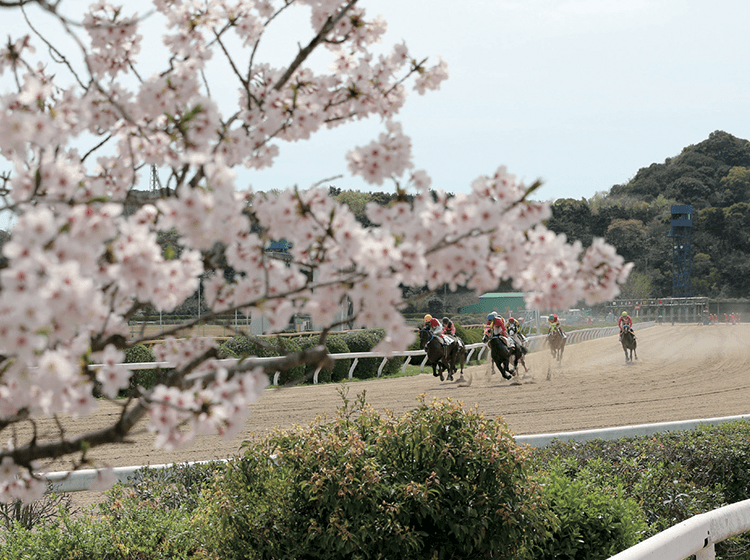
(448, 326)
(625, 319)
(498, 329)
(554, 325)
(488, 324)
(432, 324)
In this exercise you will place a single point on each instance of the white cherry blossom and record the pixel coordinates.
(77, 135)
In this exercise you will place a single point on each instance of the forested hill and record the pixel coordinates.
(712, 176)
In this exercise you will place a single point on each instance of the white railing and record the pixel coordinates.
(81, 480)
(696, 535)
(534, 343)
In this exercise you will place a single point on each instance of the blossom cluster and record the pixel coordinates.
(85, 255)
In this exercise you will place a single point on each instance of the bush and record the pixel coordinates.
(335, 344)
(242, 346)
(365, 341)
(146, 378)
(15, 515)
(469, 336)
(177, 487)
(152, 519)
(673, 475)
(596, 521)
(438, 482)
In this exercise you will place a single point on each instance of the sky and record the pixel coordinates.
(578, 93)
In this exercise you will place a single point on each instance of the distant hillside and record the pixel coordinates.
(703, 175)
(712, 176)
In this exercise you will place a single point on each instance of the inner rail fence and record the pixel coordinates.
(534, 343)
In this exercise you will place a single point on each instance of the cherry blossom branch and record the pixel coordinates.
(28, 454)
(319, 38)
(61, 58)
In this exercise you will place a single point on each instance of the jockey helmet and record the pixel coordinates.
(427, 318)
(511, 319)
(624, 313)
(445, 320)
(490, 317)
(552, 318)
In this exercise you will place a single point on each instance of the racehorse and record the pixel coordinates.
(501, 355)
(628, 343)
(442, 356)
(556, 343)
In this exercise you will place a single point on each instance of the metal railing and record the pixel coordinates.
(534, 343)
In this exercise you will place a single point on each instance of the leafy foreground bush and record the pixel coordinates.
(438, 482)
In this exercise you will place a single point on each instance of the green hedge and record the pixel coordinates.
(596, 520)
(242, 346)
(365, 341)
(155, 520)
(673, 476)
(145, 378)
(356, 341)
(139, 354)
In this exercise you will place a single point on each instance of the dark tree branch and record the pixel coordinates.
(319, 38)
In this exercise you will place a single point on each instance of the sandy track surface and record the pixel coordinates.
(682, 372)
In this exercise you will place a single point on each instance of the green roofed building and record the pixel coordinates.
(500, 302)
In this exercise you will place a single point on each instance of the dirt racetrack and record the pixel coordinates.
(683, 372)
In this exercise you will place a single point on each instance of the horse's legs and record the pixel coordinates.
(523, 363)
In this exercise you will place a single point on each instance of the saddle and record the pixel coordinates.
(507, 340)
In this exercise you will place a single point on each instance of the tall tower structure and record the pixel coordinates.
(681, 226)
(154, 184)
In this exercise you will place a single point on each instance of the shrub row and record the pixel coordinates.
(672, 476)
(155, 519)
(242, 346)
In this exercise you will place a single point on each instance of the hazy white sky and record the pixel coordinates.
(579, 93)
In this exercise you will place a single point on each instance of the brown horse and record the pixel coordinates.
(628, 343)
(442, 357)
(556, 342)
(501, 355)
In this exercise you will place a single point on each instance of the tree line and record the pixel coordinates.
(712, 176)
